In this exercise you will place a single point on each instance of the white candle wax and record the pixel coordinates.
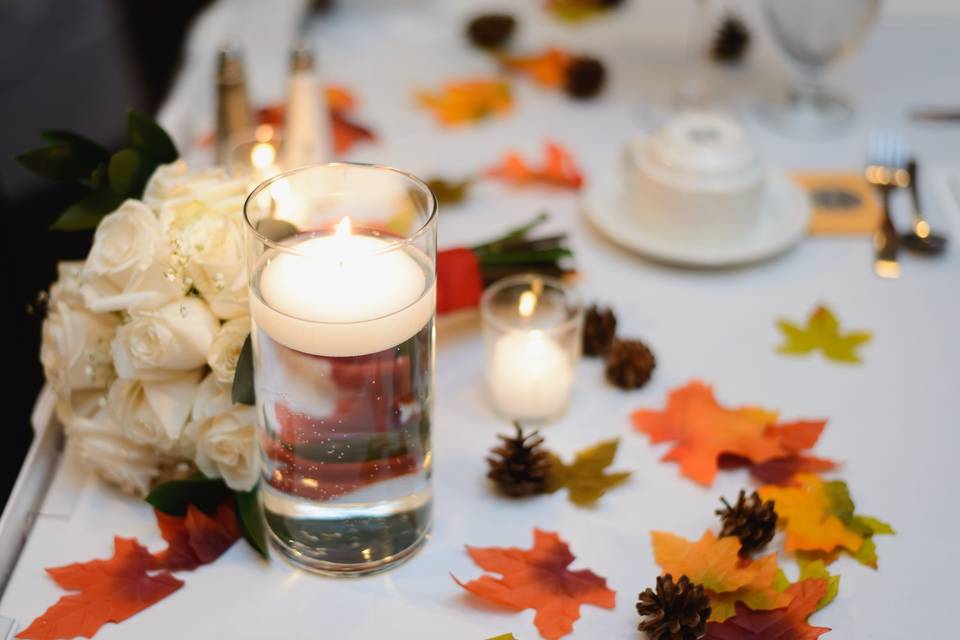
(343, 295)
(530, 375)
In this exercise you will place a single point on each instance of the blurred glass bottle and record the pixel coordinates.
(233, 107)
(306, 137)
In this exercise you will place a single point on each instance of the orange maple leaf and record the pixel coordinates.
(539, 579)
(716, 564)
(703, 430)
(548, 69)
(558, 169)
(787, 623)
(341, 103)
(196, 539)
(109, 591)
(466, 101)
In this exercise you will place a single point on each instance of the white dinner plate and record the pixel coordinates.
(783, 223)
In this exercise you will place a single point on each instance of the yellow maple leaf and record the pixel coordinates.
(822, 332)
(819, 516)
(716, 564)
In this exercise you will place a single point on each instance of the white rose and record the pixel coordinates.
(129, 264)
(225, 348)
(160, 344)
(67, 287)
(75, 348)
(225, 436)
(193, 191)
(213, 247)
(154, 413)
(100, 444)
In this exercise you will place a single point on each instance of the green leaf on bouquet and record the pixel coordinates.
(149, 137)
(128, 173)
(68, 158)
(243, 391)
(173, 497)
(250, 517)
(87, 212)
(586, 479)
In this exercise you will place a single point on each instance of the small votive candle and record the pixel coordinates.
(532, 328)
(256, 160)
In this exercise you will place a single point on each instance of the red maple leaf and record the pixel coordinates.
(781, 471)
(788, 623)
(539, 579)
(196, 539)
(109, 591)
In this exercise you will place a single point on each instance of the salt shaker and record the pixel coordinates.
(233, 107)
(306, 138)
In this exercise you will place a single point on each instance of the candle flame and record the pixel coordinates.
(343, 228)
(262, 155)
(528, 304)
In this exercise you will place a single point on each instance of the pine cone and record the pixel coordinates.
(585, 77)
(731, 42)
(677, 611)
(630, 364)
(599, 330)
(519, 466)
(491, 31)
(751, 520)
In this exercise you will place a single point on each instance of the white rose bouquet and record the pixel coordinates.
(141, 340)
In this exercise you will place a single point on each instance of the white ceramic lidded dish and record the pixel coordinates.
(696, 180)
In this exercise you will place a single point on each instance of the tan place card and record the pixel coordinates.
(843, 203)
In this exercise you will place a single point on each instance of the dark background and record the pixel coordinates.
(77, 65)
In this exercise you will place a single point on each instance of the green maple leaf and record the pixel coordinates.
(586, 479)
(822, 332)
(449, 192)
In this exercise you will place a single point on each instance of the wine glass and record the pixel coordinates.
(814, 34)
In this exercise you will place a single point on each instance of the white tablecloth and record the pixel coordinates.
(893, 420)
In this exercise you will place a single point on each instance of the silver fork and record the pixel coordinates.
(886, 171)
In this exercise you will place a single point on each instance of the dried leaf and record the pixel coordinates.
(716, 564)
(558, 169)
(819, 516)
(787, 623)
(467, 101)
(818, 569)
(539, 579)
(548, 68)
(822, 332)
(108, 591)
(703, 431)
(585, 478)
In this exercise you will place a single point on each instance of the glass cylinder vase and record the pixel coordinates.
(342, 266)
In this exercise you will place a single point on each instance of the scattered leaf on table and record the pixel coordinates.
(786, 623)
(717, 565)
(577, 10)
(586, 479)
(196, 539)
(818, 569)
(449, 192)
(504, 636)
(782, 471)
(548, 68)
(822, 332)
(108, 591)
(558, 169)
(467, 101)
(702, 430)
(539, 579)
(819, 516)
(341, 104)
